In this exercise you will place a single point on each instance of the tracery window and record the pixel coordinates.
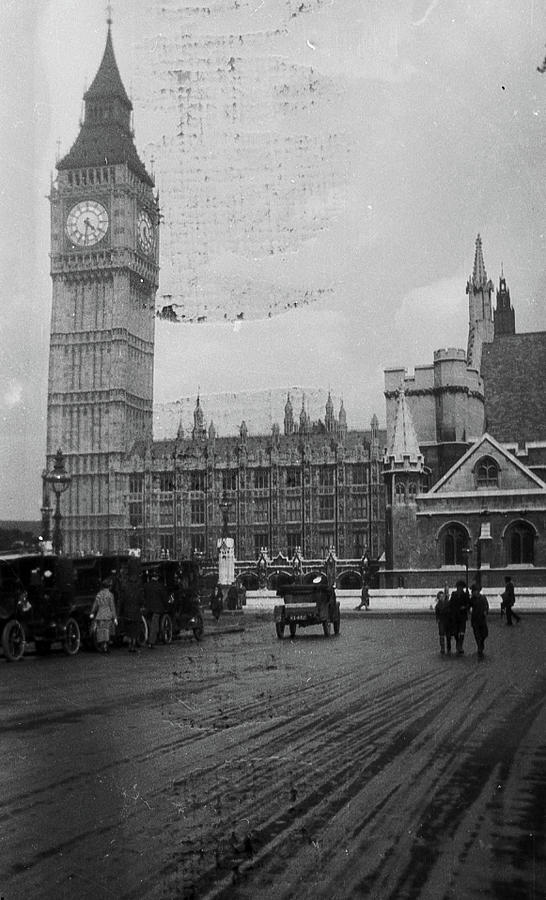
(520, 544)
(454, 543)
(487, 473)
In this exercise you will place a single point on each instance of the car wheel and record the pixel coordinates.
(292, 627)
(279, 628)
(72, 639)
(326, 629)
(13, 640)
(166, 629)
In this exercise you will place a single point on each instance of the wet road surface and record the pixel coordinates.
(247, 767)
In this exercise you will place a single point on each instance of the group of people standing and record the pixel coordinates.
(452, 615)
(134, 599)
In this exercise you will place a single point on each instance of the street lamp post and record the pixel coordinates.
(467, 551)
(59, 479)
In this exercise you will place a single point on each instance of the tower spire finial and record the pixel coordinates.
(109, 19)
(479, 275)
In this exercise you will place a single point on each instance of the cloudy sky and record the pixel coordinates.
(423, 124)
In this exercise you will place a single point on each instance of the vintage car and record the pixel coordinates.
(37, 604)
(304, 605)
(182, 611)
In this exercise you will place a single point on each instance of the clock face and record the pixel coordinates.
(87, 223)
(145, 232)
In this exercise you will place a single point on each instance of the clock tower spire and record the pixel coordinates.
(104, 270)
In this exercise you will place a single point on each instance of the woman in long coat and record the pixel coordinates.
(104, 613)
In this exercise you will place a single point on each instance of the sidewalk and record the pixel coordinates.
(401, 601)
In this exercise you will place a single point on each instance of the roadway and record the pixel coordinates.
(248, 767)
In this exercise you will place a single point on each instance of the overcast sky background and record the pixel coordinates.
(443, 113)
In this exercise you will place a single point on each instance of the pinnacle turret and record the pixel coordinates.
(288, 416)
(479, 275)
(480, 314)
(504, 315)
(404, 451)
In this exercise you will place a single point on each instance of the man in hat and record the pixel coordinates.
(508, 600)
(155, 600)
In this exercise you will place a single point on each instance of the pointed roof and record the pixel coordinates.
(106, 137)
(107, 82)
(479, 278)
(404, 451)
(198, 412)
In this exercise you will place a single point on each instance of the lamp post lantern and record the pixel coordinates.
(59, 479)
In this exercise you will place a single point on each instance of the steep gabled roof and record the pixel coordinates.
(486, 445)
(513, 367)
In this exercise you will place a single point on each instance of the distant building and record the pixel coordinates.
(314, 487)
(465, 467)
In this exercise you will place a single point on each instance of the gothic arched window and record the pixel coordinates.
(519, 544)
(487, 473)
(454, 542)
(400, 492)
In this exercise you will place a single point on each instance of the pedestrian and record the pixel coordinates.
(478, 617)
(509, 599)
(364, 598)
(441, 611)
(155, 600)
(458, 614)
(232, 597)
(132, 601)
(104, 614)
(217, 602)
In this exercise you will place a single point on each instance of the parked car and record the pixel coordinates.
(37, 604)
(14, 607)
(182, 611)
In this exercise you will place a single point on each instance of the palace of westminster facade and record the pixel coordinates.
(312, 488)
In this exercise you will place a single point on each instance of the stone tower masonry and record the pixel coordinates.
(104, 270)
(403, 470)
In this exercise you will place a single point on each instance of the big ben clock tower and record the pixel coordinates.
(104, 269)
